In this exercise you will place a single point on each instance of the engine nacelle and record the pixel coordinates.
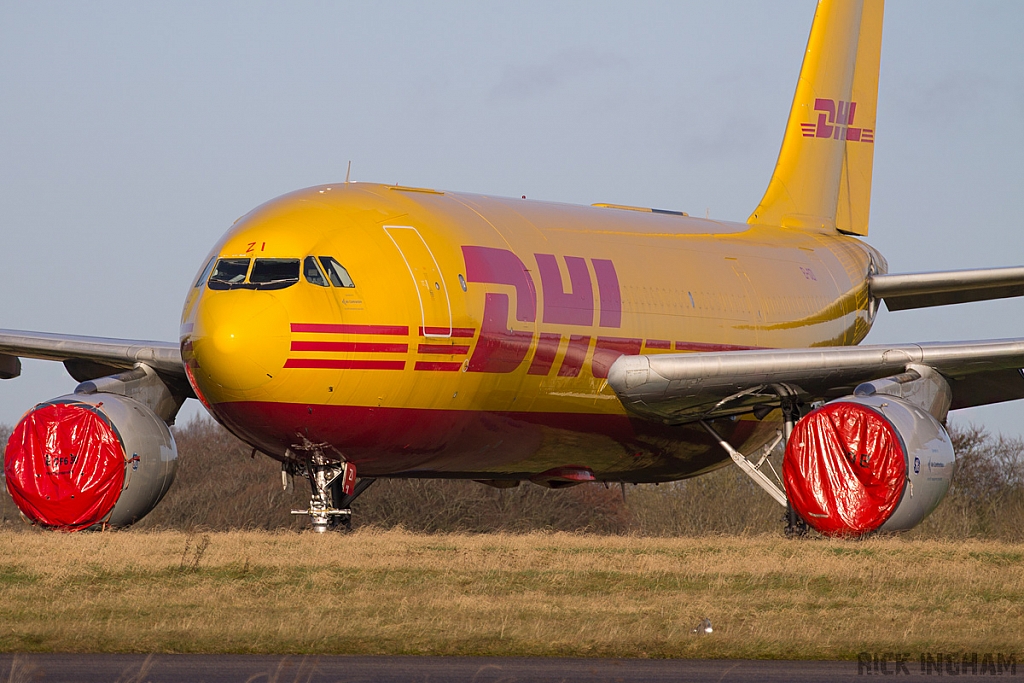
(867, 463)
(89, 460)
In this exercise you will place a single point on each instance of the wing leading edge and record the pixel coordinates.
(91, 357)
(678, 388)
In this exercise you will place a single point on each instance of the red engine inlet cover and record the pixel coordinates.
(64, 466)
(844, 469)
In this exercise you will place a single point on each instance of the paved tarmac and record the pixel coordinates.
(92, 668)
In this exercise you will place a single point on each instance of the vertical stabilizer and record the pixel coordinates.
(822, 179)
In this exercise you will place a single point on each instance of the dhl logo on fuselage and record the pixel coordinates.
(500, 349)
(836, 122)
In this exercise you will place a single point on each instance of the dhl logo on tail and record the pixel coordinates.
(836, 122)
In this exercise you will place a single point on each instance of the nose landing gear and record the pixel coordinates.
(334, 487)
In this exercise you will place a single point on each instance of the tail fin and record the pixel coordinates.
(823, 176)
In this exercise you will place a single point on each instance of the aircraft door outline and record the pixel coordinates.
(431, 289)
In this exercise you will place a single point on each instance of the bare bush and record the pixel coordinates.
(451, 505)
(9, 515)
(725, 501)
(986, 499)
(220, 486)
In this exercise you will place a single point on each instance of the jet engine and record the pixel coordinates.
(874, 461)
(92, 459)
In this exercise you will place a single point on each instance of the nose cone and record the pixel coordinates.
(240, 339)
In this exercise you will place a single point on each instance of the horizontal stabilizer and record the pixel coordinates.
(920, 290)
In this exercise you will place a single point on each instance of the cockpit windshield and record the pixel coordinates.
(229, 273)
(274, 273)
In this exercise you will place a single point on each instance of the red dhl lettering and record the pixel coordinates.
(501, 349)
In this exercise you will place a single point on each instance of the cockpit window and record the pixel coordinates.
(205, 274)
(313, 274)
(229, 273)
(336, 272)
(274, 273)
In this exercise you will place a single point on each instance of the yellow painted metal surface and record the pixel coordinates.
(822, 180)
(684, 284)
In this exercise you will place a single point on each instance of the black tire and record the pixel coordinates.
(796, 527)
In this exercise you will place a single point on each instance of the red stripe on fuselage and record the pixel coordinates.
(358, 347)
(443, 332)
(337, 364)
(698, 346)
(443, 349)
(608, 349)
(327, 328)
(574, 357)
(440, 366)
(544, 357)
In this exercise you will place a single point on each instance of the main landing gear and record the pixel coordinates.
(796, 527)
(334, 487)
(789, 403)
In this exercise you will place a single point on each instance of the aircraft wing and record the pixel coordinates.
(677, 388)
(90, 357)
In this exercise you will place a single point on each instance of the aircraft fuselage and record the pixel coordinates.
(478, 334)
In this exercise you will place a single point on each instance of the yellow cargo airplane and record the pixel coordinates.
(408, 332)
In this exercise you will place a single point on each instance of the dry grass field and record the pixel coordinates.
(393, 591)
(453, 567)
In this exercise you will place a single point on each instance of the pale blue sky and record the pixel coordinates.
(133, 134)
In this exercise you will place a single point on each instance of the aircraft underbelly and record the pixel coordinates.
(410, 442)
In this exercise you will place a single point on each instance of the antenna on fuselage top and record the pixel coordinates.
(348, 173)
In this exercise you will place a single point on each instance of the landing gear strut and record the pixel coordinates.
(790, 405)
(796, 527)
(334, 487)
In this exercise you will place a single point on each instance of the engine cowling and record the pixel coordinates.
(89, 461)
(867, 463)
